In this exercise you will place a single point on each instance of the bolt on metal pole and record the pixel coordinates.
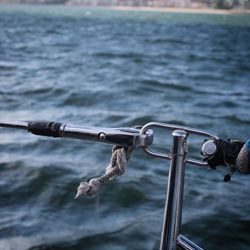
(173, 205)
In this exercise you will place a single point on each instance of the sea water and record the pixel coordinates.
(100, 67)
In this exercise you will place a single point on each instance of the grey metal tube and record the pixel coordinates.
(173, 205)
(186, 244)
(127, 137)
(15, 124)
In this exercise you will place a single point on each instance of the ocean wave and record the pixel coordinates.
(154, 84)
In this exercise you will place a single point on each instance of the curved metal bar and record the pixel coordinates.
(159, 155)
(174, 127)
(195, 162)
(186, 244)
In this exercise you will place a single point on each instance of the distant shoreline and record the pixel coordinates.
(182, 10)
(198, 10)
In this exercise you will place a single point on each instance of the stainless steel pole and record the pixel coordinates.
(173, 205)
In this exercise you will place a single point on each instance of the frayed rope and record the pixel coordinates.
(117, 166)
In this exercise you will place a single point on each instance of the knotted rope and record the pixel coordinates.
(117, 166)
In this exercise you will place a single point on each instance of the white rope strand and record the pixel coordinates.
(117, 166)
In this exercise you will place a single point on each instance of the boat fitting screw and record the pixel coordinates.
(209, 148)
(102, 136)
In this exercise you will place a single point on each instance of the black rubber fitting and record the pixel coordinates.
(45, 128)
(227, 152)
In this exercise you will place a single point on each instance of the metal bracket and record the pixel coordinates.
(172, 127)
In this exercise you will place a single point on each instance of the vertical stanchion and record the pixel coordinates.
(173, 205)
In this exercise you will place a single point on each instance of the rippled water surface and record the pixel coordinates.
(108, 68)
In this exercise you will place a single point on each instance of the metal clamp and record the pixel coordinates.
(172, 127)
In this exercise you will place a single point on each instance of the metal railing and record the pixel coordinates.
(171, 238)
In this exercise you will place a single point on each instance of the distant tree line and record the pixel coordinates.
(35, 1)
(220, 4)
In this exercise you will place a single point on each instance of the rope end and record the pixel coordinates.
(89, 189)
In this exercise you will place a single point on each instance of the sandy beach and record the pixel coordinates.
(183, 10)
